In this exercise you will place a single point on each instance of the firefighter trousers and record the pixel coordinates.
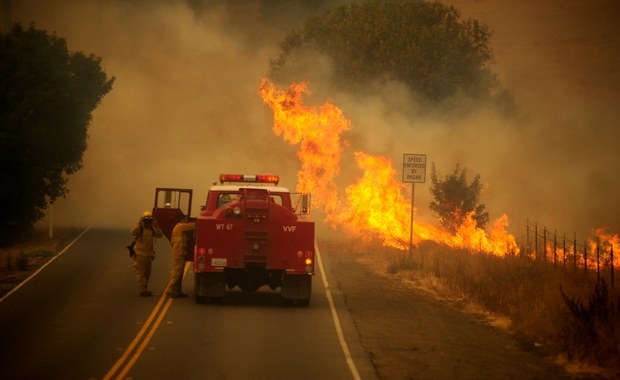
(142, 270)
(176, 275)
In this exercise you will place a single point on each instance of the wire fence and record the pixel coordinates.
(592, 253)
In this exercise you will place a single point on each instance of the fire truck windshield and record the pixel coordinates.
(224, 198)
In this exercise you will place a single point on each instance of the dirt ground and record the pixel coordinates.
(414, 330)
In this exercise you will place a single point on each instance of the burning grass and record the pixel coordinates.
(572, 314)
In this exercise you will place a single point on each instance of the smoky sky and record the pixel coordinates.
(185, 108)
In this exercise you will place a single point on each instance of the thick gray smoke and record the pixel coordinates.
(555, 165)
(560, 60)
(185, 108)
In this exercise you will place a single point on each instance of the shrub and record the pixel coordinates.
(590, 334)
(533, 294)
(22, 261)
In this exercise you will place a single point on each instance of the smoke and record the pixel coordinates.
(555, 163)
(185, 108)
(560, 61)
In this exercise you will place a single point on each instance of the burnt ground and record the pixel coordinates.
(413, 333)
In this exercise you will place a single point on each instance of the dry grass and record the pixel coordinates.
(572, 315)
(19, 261)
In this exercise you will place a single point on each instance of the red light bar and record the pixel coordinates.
(259, 178)
(231, 178)
(265, 178)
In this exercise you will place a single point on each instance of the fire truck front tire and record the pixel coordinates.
(209, 287)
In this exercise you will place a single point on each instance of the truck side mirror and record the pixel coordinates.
(305, 204)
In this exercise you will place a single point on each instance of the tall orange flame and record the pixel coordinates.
(318, 133)
(375, 207)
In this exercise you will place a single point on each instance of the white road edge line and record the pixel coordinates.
(46, 264)
(332, 307)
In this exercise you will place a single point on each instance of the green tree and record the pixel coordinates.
(47, 95)
(424, 44)
(454, 199)
(289, 14)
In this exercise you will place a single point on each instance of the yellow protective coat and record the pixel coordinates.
(179, 246)
(144, 253)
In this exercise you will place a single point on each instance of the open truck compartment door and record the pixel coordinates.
(172, 205)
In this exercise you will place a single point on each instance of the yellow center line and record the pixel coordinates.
(140, 334)
(146, 341)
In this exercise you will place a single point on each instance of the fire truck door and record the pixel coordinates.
(171, 206)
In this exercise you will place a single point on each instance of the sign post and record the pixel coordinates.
(414, 171)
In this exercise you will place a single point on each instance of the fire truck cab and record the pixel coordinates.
(249, 233)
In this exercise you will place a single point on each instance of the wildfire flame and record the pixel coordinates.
(318, 133)
(375, 207)
(603, 241)
(602, 245)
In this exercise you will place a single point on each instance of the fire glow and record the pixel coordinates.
(374, 206)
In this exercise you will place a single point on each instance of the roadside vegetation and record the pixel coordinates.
(47, 96)
(425, 45)
(20, 260)
(571, 314)
(454, 198)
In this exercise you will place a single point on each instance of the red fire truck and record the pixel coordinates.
(250, 233)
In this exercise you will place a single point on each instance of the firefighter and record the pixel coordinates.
(144, 232)
(179, 240)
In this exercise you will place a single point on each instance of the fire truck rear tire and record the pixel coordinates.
(304, 302)
(296, 289)
(209, 287)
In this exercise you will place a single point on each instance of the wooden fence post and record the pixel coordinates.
(536, 240)
(564, 251)
(585, 257)
(575, 250)
(611, 258)
(555, 247)
(527, 237)
(544, 244)
(598, 261)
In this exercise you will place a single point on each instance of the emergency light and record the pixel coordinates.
(257, 178)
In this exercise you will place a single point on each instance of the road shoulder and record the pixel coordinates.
(408, 333)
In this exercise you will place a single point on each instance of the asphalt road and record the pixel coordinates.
(81, 318)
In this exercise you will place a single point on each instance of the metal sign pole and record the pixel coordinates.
(411, 226)
(414, 170)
